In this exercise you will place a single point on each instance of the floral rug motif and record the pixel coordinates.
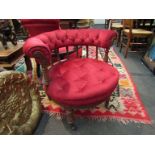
(125, 104)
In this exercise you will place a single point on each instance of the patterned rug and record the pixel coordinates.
(125, 106)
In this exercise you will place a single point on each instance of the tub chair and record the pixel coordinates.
(79, 82)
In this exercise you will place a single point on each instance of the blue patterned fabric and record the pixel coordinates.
(152, 51)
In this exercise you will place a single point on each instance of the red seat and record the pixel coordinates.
(82, 82)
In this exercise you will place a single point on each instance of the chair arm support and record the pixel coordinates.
(35, 48)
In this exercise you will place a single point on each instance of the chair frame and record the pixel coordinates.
(129, 24)
(118, 29)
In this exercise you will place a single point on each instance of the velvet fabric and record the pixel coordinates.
(82, 82)
(47, 42)
(38, 26)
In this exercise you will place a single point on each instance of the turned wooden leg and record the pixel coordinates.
(106, 56)
(70, 118)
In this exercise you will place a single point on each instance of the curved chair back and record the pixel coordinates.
(42, 47)
(50, 42)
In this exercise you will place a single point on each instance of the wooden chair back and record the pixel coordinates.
(128, 23)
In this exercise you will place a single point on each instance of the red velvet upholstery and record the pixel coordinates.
(79, 82)
(46, 42)
(76, 82)
(82, 82)
(38, 26)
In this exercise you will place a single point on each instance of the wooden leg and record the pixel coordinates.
(121, 41)
(28, 63)
(126, 50)
(70, 119)
(38, 70)
(120, 48)
(118, 39)
(106, 56)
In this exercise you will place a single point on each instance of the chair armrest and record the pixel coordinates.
(35, 48)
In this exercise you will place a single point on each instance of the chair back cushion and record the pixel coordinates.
(47, 42)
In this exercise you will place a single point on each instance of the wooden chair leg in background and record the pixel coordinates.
(118, 38)
(121, 42)
(120, 48)
(70, 118)
(126, 49)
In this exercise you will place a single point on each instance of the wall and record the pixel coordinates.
(99, 21)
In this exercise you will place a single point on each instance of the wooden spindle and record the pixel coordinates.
(77, 53)
(106, 55)
(57, 54)
(87, 51)
(97, 52)
(67, 51)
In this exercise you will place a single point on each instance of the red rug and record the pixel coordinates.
(125, 108)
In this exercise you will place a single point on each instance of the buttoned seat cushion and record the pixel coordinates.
(82, 82)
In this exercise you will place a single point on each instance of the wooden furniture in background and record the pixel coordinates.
(9, 57)
(117, 25)
(7, 33)
(147, 24)
(129, 34)
(84, 23)
(107, 21)
(68, 23)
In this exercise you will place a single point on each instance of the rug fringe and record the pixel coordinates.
(125, 121)
(58, 116)
(120, 120)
